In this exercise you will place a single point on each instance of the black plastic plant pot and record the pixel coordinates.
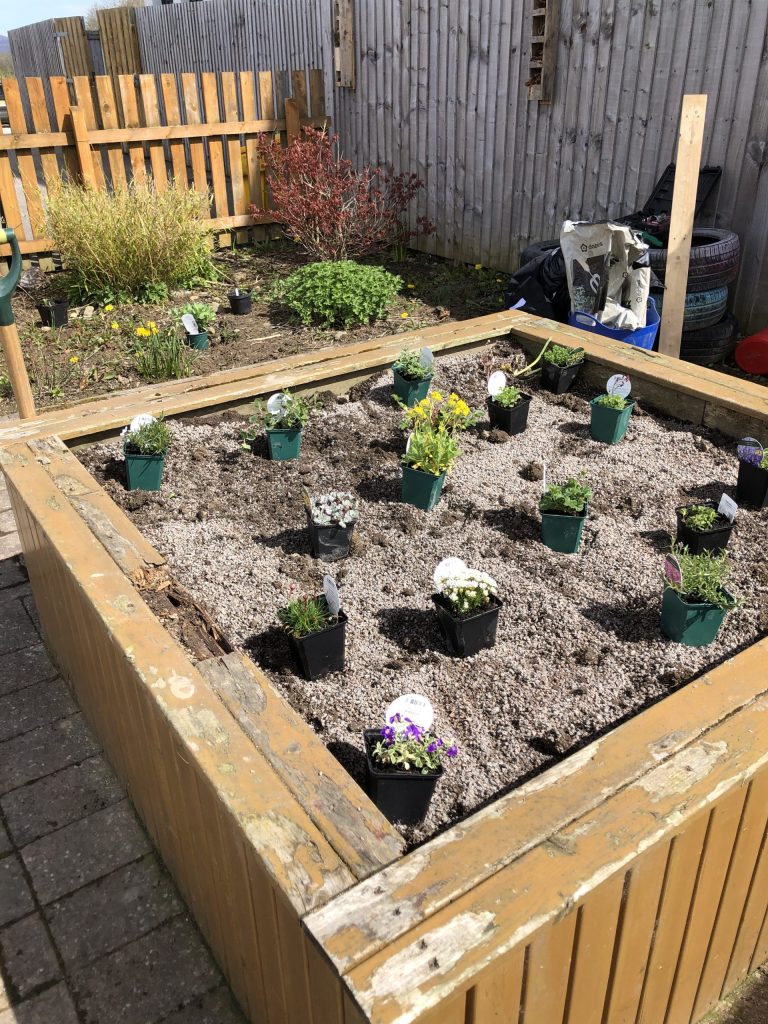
(559, 378)
(330, 543)
(690, 623)
(239, 304)
(54, 314)
(562, 533)
(698, 541)
(465, 635)
(752, 488)
(511, 420)
(410, 391)
(609, 425)
(402, 797)
(321, 653)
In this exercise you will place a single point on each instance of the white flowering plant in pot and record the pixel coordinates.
(467, 606)
(467, 590)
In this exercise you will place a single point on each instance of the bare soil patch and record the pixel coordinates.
(579, 647)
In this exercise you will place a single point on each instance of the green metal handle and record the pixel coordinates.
(11, 279)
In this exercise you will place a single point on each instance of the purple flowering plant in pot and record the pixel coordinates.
(752, 487)
(403, 765)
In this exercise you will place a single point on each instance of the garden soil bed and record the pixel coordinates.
(579, 647)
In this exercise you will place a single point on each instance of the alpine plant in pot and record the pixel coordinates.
(611, 412)
(467, 607)
(507, 405)
(704, 526)
(564, 509)
(696, 598)
(316, 628)
(403, 765)
(560, 367)
(145, 444)
(412, 374)
(283, 418)
(331, 520)
(432, 448)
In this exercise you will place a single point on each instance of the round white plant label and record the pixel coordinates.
(426, 358)
(332, 596)
(142, 420)
(496, 383)
(750, 450)
(190, 324)
(276, 404)
(672, 570)
(414, 707)
(619, 385)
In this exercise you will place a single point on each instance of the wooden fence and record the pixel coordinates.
(138, 128)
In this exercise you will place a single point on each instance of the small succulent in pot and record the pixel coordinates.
(145, 444)
(564, 509)
(752, 487)
(283, 417)
(412, 373)
(467, 607)
(317, 636)
(331, 520)
(696, 598)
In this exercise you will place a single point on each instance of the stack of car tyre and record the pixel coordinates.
(709, 332)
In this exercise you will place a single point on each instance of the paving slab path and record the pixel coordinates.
(92, 929)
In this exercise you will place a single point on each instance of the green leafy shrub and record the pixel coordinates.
(409, 365)
(201, 311)
(704, 578)
(134, 243)
(149, 439)
(161, 355)
(305, 615)
(509, 397)
(700, 517)
(560, 355)
(344, 294)
(568, 499)
(615, 402)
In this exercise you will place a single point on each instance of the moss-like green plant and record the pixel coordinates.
(305, 616)
(149, 439)
(560, 355)
(700, 517)
(704, 578)
(409, 365)
(615, 402)
(568, 499)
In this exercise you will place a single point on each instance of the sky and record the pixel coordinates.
(14, 13)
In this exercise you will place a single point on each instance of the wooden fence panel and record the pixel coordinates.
(114, 135)
(75, 48)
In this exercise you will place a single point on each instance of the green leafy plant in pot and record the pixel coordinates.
(331, 520)
(564, 509)
(507, 405)
(403, 765)
(560, 367)
(412, 373)
(610, 418)
(696, 599)
(145, 444)
(283, 417)
(196, 314)
(467, 607)
(701, 527)
(432, 447)
(316, 633)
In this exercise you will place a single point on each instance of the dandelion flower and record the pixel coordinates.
(108, 308)
(411, 285)
(74, 359)
(404, 316)
(478, 266)
(115, 325)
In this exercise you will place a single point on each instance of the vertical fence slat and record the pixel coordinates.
(215, 145)
(108, 107)
(84, 98)
(317, 93)
(266, 95)
(132, 119)
(497, 993)
(299, 91)
(41, 122)
(248, 94)
(61, 107)
(549, 962)
(148, 89)
(173, 116)
(189, 88)
(27, 171)
(743, 954)
(229, 100)
(8, 201)
(597, 925)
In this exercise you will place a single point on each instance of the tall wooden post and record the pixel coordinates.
(681, 225)
(9, 336)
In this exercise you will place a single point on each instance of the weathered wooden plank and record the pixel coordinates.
(598, 922)
(173, 117)
(215, 145)
(497, 993)
(151, 108)
(192, 116)
(744, 951)
(231, 114)
(27, 171)
(131, 119)
(84, 98)
(110, 118)
(357, 830)
(41, 123)
(549, 966)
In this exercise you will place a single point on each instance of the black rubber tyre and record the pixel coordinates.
(714, 259)
(538, 249)
(702, 309)
(710, 344)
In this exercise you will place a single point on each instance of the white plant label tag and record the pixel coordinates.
(496, 383)
(672, 570)
(142, 420)
(426, 358)
(236, 291)
(413, 706)
(544, 475)
(519, 304)
(728, 507)
(748, 445)
(619, 385)
(190, 324)
(332, 596)
(276, 404)
(408, 442)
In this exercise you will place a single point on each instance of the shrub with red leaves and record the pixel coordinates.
(333, 210)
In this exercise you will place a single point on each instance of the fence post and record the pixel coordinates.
(292, 120)
(83, 147)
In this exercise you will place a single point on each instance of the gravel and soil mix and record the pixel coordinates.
(579, 647)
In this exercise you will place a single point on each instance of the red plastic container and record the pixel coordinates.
(752, 353)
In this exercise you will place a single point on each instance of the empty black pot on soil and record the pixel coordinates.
(321, 653)
(698, 541)
(512, 420)
(400, 796)
(465, 635)
(559, 378)
(329, 542)
(752, 488)
(54, 314)
(239, 304)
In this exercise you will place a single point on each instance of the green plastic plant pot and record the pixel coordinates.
(563, 533)
(422, 489)
(694, 625)
(609, 425)
(144, 472)
(284, 445)
(199, 341)
(410, 391)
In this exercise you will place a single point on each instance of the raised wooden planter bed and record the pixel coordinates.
(629, 883)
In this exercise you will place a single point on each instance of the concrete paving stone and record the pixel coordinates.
(217, 1007)
(5, 501)
(10, 546)
(28, 958)
(112, 912)
(86, 850)
(148, 979)
(5, 840)
(15, 896)
(43, 751)
(17, 631)
(53, 1006)
(7, 521)
(57, 800)
(19, 669)
(29, 603)
(34, 706)
(12, 573)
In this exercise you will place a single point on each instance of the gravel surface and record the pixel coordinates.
(579, 647)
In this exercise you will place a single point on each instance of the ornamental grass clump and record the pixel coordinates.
(337, 508)
(406, 747)
(467, 590)
(704, 578)
(159, 354)
(343, 294)
(134, 243)
(305, 615)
